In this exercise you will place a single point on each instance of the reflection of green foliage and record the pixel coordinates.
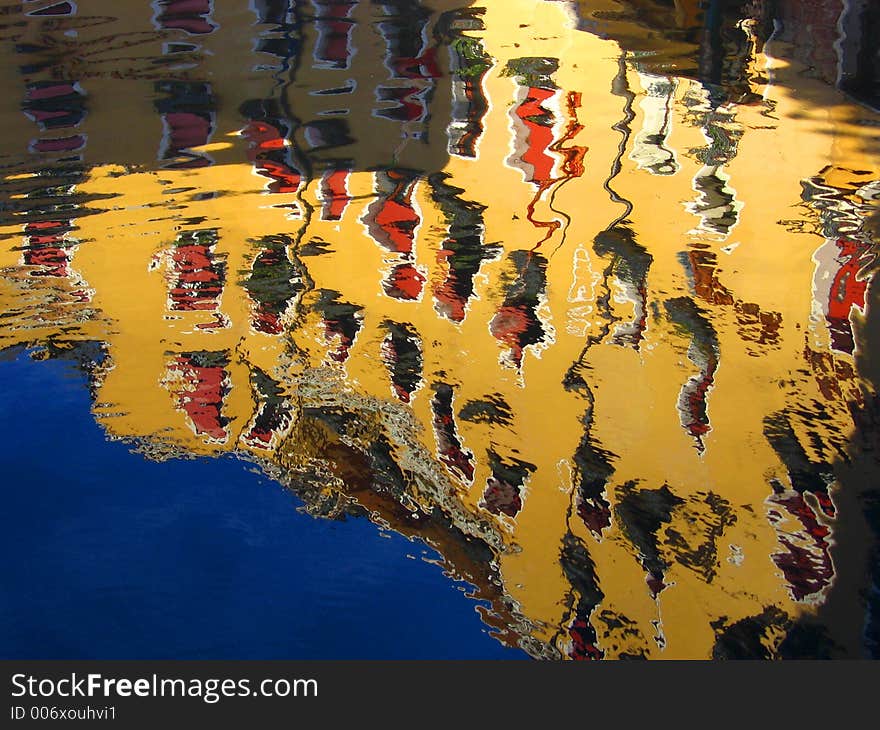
(719, 126)
(532, 71)
(206, 358)
(722, 145)
(206, 237)
(268, 389)
(474, 61)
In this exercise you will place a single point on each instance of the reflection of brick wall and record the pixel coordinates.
(811, 25)
(860, 52)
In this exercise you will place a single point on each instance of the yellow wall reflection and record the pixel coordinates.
(480, 275)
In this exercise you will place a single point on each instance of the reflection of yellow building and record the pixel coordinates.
(571, 354)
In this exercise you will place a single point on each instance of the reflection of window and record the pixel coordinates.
(323, 133)
(65, 8)
(47, 248)
(408, 103)
(197, 272)
(457, 459)
(649, 150)
(333, 49)
(392, 221)
(411, 62)
(187, 122)
(54, 104)
(470, 63)
(334, 193)
(401, 351)
(177, 47)
(518, 323)
(269, 149)
(191, 16)
(342, 322)
(272, 12)
(199, 383)
(273, 416)
(274, 282)
(463, 250)
(404, 29)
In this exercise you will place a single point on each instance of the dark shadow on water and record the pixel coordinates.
(714, 40)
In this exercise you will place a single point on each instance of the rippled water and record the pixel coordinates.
(513, 328)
